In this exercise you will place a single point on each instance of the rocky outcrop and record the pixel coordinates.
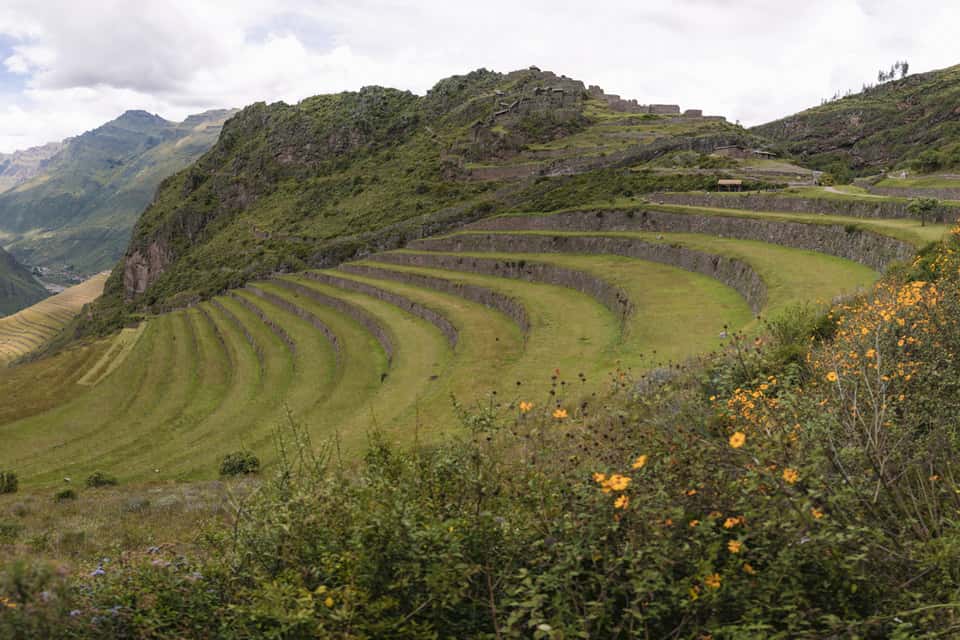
(143, 266)
(611, 296)
(854, 207)
(363, 317)
(732, 272)
(874, 250)
(489, 298)
(435, 318)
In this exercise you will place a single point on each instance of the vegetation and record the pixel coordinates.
(922, 208)
(99, 479)
(18, 287)
(88, 196)
(905, 123)
(239, 463)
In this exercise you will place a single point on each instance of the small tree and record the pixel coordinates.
(922, 207)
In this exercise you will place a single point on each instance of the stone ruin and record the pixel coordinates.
(617, 103)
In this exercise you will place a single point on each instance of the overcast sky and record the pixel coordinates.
(67, 66)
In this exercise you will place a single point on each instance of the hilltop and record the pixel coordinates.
(18, 287)
(913, 123)
(336, 176)
(75, 212)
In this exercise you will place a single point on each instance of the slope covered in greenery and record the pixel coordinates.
(18, 287)
(912, 122)
(335, 176)
(80, 208)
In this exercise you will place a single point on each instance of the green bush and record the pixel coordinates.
(8, 482)
(239, 463)
(100, 479)
(65, 495)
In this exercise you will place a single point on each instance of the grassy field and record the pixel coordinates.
(30, 328)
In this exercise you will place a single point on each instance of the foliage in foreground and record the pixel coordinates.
(772, 492)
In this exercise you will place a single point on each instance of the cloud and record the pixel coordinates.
(750, 60)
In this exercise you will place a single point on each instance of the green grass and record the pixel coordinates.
(936, 181)
(790, 274)
(665, 298)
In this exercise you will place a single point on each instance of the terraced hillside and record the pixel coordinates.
(30, 328)
(384, 342)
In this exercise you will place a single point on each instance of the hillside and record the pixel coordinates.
(335, 176)
(18, 287)
(909, 123)
(75, 216)
(20, 166)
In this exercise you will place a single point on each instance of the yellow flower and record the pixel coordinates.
(737, 439)
(599, 477)
(791, 475)
(691, 492)
(328, 602)
(734, 546)
(618, 482)
(640, 462)
(748, 568)
(832, 376)
(694, 523)
(525, 407)
(816, 513)
(694, 592)
(560, 414)
(712, 581)
(871, 353)
(622, 502)
(730, 523)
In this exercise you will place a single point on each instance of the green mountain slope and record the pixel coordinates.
(911, 122)
(80, 210)
(20, 166)
(336, 176)
(18, 288)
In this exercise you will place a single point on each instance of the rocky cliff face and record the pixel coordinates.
(22, 166)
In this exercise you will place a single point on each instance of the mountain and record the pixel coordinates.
(20, 166)
(18, 288)
(76, 214)
(913, 122)
(287, 186)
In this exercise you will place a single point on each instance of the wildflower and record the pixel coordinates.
(640, 462)
(712, 581)
(599, 478)
(790, 475)
(691, 492)
(694, 592)
(328, 602)
(622, 502)
(730, 523)
(832, 376)
(668, 522)
(560, 414)
(525, 407)
(618, 482)
(694, 523)
(748, 568)
(737, 439)
(816, 513)
(734, 546)
(713, 515)
(871, 353)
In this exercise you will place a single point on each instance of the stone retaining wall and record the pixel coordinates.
(871, 249)
(232, 317)
(489, 298)
(366, 319)
(611, 296)
(730, 271)
(859, 208)
(435, 318)
(300, 312)
(944, 193)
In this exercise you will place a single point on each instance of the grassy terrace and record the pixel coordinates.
(906, 229)
(790, 274)
(30, 328)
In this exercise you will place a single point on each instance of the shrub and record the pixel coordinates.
(100, 479)
(8, 482)
(65, 495)
(239, 463)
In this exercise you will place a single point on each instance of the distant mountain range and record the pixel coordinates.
(68, 207)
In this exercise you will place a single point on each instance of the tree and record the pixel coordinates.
(922, 207)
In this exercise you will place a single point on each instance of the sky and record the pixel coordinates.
(67, 66)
